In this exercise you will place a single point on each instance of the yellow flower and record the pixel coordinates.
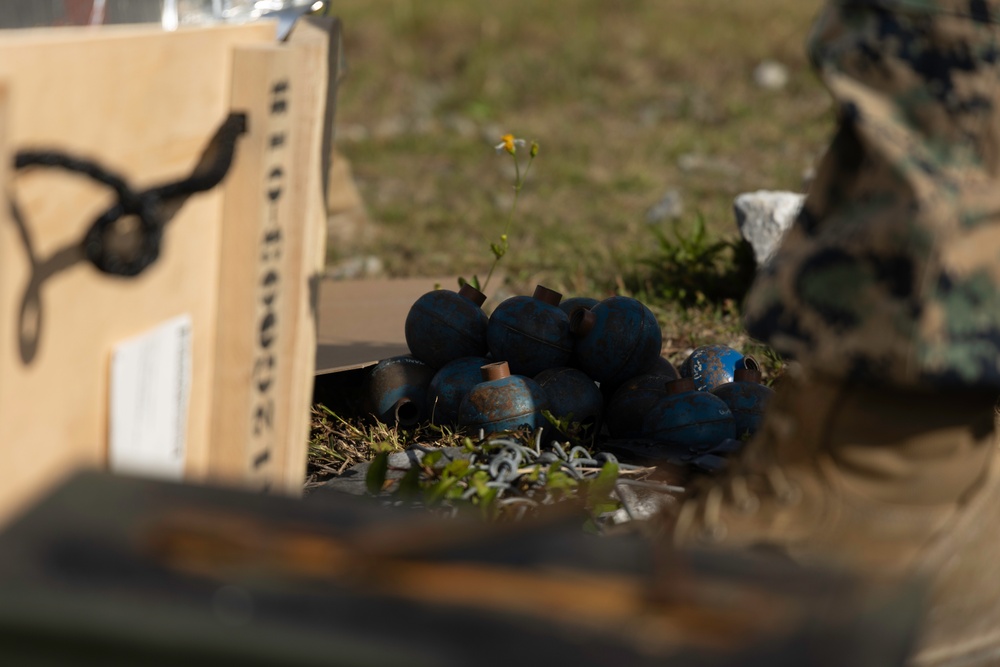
(509, 143)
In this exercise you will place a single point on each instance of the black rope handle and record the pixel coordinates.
(146, 205)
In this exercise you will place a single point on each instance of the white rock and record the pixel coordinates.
(763, 218)
(643, 504)
(770, 75)
(367, 266)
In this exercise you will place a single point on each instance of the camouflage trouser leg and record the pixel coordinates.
(892, 271)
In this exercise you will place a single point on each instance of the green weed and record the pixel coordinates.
(695, 268)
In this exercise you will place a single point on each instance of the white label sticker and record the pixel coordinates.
(150, 387)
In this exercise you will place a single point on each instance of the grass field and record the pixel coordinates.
(628, 99)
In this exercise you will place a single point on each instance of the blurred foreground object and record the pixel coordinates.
(880, 450)
(116, 571)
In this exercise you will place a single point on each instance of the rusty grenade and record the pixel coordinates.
(572, 395)
(746, 397)
(397, 390)
(629, 405)
(688, 421)
(617, 339)
(712, 365)
(503, 402)
(530, 333)
(443, 326)
(450, 385)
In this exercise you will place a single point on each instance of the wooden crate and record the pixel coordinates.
(83, 382)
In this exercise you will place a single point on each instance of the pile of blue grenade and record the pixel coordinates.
(538, 361)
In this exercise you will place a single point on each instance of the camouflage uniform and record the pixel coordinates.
(887, 286)
(892, 271)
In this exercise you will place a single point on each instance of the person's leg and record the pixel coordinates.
(881, 453)
(892, 271)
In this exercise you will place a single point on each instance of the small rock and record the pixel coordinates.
(763, 218)
(404, 460)
(352, 480)
(368, 266)
(770, 75)
(408, 458)
(670, 207)
(689, 162)
(644, 503)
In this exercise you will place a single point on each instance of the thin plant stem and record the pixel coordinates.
(518, 184)
(496, 260)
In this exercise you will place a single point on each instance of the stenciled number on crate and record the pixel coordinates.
(269, 288)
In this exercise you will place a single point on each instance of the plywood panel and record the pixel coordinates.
(253, 315)
(316, 47)
(143, 103)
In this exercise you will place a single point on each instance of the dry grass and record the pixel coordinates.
(338, 442)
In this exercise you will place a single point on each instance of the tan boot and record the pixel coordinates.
(962, 619)
(885, 481)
